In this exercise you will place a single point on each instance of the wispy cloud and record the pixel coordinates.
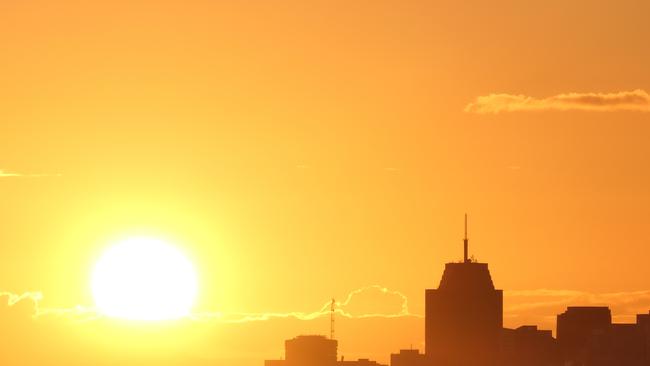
(367, 302)
(353, 307)
(13, 299)
(538, 306)
(23, 305)
(635, 100)
(31, 302)
(6, 174)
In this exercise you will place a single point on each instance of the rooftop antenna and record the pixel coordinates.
(332, 318)
(465, 243)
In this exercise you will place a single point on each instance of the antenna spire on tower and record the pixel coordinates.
(465, 243)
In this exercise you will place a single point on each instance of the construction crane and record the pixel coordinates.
(332, 310)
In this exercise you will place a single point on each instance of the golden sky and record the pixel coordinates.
(299, 150)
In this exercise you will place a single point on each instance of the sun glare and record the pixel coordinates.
(144, 279)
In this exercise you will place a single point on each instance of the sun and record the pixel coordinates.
(144, 279)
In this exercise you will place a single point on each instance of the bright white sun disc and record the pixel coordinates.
(144, 279)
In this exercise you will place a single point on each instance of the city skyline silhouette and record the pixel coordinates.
(464, 327)
(225, 183)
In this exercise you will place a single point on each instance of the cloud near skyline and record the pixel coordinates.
(538, 306)
(367, 302)
(635, 100)
(367, 309)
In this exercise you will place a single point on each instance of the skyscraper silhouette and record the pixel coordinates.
(464, 315)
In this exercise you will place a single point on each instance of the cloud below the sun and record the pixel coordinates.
(538, 306)
(634, 100)
(367, 302)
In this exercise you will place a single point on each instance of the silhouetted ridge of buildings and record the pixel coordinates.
(464, 327)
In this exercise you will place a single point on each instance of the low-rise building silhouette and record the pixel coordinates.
(359, 362)
(310, 350)
(315, 350)
(587, 336)
(643, 322)
(582, 334)
(627, 345)
(528, 346)
(408, 357)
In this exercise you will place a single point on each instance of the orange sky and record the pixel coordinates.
(301, 150)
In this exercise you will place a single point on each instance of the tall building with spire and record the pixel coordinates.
(464, 315)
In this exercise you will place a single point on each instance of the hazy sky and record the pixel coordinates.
(299, 150)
